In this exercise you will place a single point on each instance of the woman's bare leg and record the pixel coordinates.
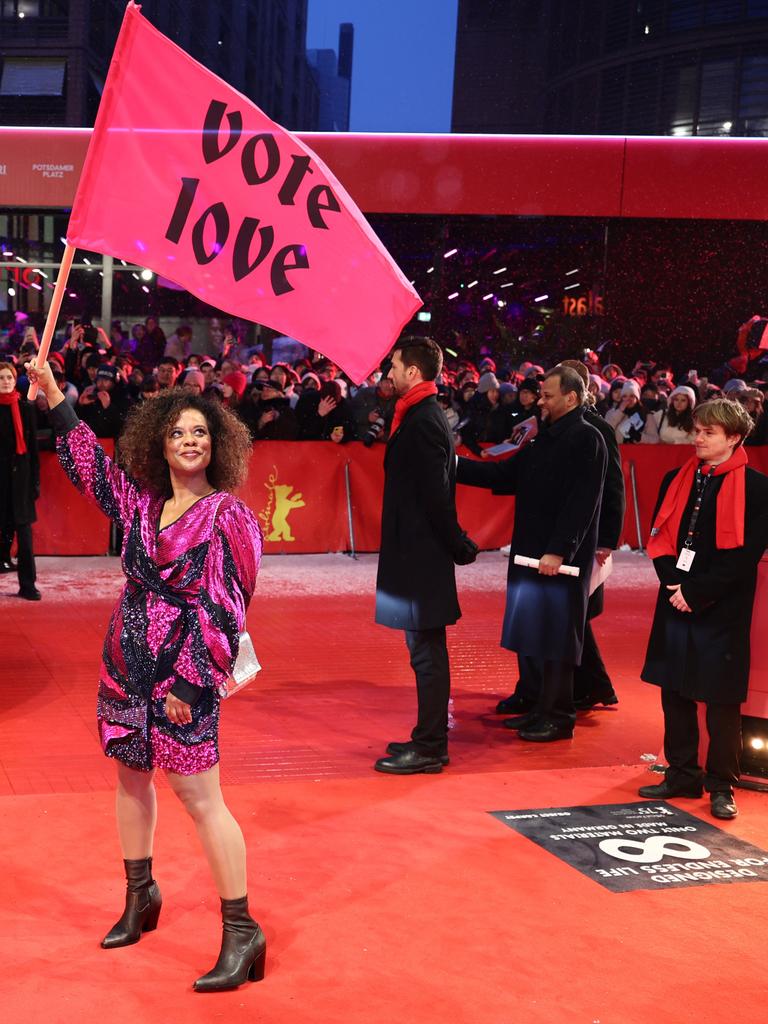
(219, 832)
(136, 805)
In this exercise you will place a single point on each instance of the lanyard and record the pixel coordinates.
(701, 484)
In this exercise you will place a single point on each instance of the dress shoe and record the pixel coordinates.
(399, 748)
(514, 705)
(664, 790)
(542, 731)
(7, 566)
(723, 806)
(30, 594)
(589, 700)
(521, 721)
(409, 762)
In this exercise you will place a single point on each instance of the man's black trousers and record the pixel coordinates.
(681, 742)
(429, 660)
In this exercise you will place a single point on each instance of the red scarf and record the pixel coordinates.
(13, 400)
(729, 518)
(417, 394)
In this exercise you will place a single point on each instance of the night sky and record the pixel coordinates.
(402, 72)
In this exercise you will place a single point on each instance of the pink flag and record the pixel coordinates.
(186, 176)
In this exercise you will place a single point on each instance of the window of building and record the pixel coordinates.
(684, 15)
(33, 76)
(753, 96)
(679, 99)
(718, 82)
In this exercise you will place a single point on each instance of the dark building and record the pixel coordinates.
(333, 75)
(55, 54)
(612, 67)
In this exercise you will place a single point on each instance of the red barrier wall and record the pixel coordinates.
(298, 491)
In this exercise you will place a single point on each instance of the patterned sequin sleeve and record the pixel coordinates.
(228, 583)
(89, 467)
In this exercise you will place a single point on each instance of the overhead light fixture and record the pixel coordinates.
(471, 284)
(430, 270)
(500, 270)
(39, 287)
(40, 272)
(488, 296)
(569, 272)
(147, 275)
(12, 292)
(451, 252)
(145, 289)
(21, 259)
(7, 252)
(540, 298)
(86, 261)
(508, 284)
(453, 295)
(134, 274)
(569, 286)
(727, 125)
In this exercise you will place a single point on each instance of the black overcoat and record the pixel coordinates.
(21, 473)
(558, 483)
(704, 654)
(420, 534)
(612, 504)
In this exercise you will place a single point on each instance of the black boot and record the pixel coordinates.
(142, 905)
(243, 950)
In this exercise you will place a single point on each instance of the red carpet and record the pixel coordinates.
(383, 899)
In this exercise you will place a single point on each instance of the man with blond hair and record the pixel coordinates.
(710, 529)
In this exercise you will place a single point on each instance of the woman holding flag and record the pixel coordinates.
(191, 552)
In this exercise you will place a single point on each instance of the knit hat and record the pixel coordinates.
(530, 384)
(630, 387)
(736, 384)
(194, 377)
(602, 385)
(237, 381)
(683, 389)
(488, 382)
(507, 389)
(309, 376)
(107, 372)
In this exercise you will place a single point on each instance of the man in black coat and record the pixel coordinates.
(19, 481)
(591, 682)
(558, 482)
(710, 530)
(420, 541)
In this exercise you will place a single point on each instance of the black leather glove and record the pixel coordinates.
(466, 553)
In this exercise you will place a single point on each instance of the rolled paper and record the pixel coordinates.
(533, 563)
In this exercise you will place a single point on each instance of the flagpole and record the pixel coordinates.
(53, 313)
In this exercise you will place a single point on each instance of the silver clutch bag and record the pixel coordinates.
(246, 666)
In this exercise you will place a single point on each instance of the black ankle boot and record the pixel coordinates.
(243, 950)
(142, 905)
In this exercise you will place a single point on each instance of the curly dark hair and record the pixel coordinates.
(142, 442)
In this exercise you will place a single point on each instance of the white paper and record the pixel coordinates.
(600, 573)
(533, 563)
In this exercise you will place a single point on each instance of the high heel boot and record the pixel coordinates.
(142, 905)
(243, 950)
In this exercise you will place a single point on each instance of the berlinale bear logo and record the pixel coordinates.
(280, 503)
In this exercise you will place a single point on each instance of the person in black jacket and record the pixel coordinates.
(421, 539)
(558, 481)
(591, 683)
(710, 529)
(19, 481)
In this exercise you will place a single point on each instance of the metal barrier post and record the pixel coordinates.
(636, 506)
(350, 524)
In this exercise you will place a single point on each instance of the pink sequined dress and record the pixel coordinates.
(177, 622)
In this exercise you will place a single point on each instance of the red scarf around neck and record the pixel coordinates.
(13, 400)
(729, 518)
(417, 394)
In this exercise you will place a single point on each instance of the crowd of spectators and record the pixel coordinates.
(309, 399)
